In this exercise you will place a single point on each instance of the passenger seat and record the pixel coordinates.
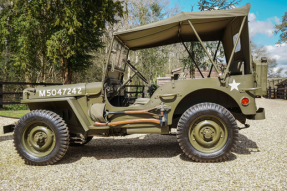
(140, 101)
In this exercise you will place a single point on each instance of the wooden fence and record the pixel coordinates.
(277, 93)
(2, 93)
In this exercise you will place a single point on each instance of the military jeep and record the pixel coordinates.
(204, 111)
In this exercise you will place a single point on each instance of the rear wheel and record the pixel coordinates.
(41, 137)
(207, 132)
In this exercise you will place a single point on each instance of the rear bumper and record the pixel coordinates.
(260, 114)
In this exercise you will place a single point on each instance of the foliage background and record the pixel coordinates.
(67, 41)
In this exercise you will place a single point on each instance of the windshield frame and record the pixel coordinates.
(118, 56)
(110, 66)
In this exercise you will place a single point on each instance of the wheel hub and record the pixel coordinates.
(207, 134)
(40, 137)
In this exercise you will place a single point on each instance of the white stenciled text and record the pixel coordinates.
(60, 92)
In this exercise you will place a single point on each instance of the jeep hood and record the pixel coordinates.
(70, 90)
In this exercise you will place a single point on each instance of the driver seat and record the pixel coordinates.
(140, 101)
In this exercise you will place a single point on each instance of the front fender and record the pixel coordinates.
(73, 103)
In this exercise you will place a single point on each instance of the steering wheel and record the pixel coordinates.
(136, 71)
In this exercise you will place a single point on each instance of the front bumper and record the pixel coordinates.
(260, 114)
(8, 128)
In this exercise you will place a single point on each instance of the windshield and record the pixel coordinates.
(117, 55)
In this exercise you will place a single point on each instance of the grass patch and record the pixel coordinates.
(16, 107)
(13, 113)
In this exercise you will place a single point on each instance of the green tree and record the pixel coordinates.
(5, 15)
(66, 31)
(80, 25)
(283, 29)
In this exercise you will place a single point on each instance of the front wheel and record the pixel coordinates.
(41, 137)
(207, 132)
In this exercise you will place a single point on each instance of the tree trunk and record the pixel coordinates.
(5, 76)
(193, 55)
(193, 73)
(129, 75)
(66, 72)
(28, 78)
(43, 65)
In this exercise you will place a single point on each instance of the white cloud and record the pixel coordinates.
(251, 17)
(284, 67)
(267, 27)
(262, 27)
(276, 20)
(280, 53)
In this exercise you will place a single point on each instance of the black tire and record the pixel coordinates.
(187, 125)
(33, 123)
(78, 144)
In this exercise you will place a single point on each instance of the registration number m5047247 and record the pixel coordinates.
(55, 92)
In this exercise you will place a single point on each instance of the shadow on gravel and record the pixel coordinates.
(231, 157)
(245, 146)
(6, 138)
(152, 146)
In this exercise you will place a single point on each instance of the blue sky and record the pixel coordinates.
(264, 14)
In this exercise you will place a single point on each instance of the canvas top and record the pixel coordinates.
(210, 25)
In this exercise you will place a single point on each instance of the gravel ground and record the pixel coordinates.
(155, 162)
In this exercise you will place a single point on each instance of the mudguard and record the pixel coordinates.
(73, 104)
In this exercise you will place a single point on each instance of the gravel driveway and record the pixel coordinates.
(155, 162)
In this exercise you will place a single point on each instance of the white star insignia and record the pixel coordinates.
(234, 85)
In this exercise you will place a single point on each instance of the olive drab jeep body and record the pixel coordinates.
(203, 110)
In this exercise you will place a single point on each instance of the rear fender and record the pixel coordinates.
(192, 91)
